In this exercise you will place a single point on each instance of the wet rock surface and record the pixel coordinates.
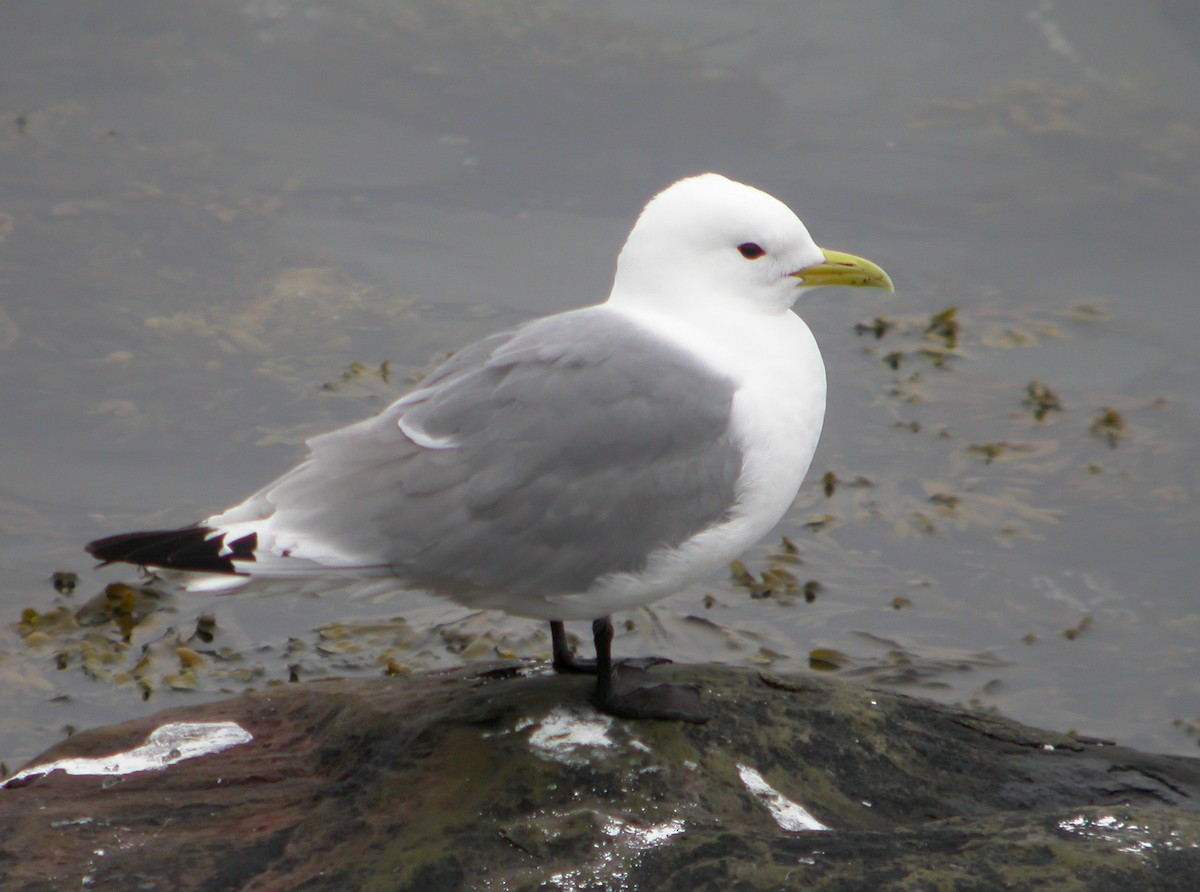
(501, 777)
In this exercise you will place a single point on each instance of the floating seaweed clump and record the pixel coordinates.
(1041, 400)
(119, 637)
(777, 581)
(1109, 426)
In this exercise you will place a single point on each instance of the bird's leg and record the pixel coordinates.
(564, 657)
(566, 661)
(619, 693)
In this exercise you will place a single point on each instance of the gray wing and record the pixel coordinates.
(533, 461)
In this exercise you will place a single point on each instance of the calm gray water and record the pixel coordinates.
(209, 211)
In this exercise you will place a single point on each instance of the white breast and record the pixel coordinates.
(778, 413)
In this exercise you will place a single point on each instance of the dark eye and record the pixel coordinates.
(751, 250)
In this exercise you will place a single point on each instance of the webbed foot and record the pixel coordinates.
(632, 694)
(626, 689)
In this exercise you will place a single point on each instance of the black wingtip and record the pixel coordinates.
(196, 549)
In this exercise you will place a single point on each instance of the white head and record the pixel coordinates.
(710, 236)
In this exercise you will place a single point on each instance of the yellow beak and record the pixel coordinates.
(844, 269)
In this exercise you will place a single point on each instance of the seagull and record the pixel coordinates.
(583, 463)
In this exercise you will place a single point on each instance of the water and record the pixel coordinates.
(208, 213)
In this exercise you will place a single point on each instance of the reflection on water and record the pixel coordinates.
(222, 232)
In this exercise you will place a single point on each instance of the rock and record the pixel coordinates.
(503, 778)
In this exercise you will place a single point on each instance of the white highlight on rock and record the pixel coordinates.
(166, 745)
(563, 733)
(616, 857)
(787, 814)
(643, 836)
(1128, 837)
